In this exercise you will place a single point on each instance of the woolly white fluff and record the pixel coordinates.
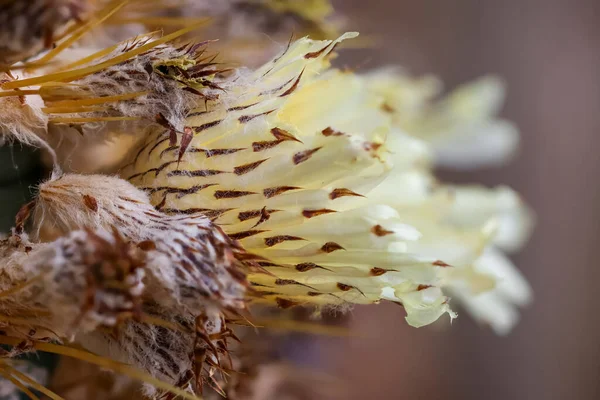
(22, 119)
(73, 202)
(179, 269)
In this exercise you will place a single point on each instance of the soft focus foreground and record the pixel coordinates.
(189, 197)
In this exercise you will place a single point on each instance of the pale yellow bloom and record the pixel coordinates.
(462, 128)
(308, 167)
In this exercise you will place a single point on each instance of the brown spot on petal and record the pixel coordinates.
(314, 294)
(336, 193)
(423, 287)
(156, 145)
(162, 203)
(180, 191)
(371, 146)
(378, 271)
(208, 125)
(276, 191)
(283, 282)
(306, 267)
(247, 118)
(265, 145)
(244, 234)
(244, 169)
(231, 194)
(280, 136)
(316, 213)
(330, 247)
(331, 132)
(196, 173)
(219, 152)
(283, 135)
(387, 108)
(240, 108)
(293, 87)
(275, 240)
(344, 288)
(284, 303)
(317, 53)
(90, 202)
(381, 231)
(246, 215)
(439, 263)
(302, 156)
(213, 214)
(268, 264)
(265, 215)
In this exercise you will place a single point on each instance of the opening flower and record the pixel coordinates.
(292, 184)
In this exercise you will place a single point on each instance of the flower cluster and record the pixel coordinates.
(188, 193)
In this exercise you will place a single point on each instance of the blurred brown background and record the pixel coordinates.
(549, 53)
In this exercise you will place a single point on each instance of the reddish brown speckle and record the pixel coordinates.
(283, 135)
(371, 146)
(316, 213)
(284, 303)
(317, 53)
(379, 230)
(387, 108)
(336, 193)
(196, 173)
(293, 87)
(378, 271)
(275, 191)
(244, 234)
(208, 125)
(247, 118)
(231, 194)
(331, 132)
(423, 287)
(344, 288)
(274, 240)
(439, 263)
(244, 169)
(330, 247)
(302, 156)
(283, 282)
(306, 267)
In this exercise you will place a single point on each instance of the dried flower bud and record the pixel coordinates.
(194, 260)
(84, 280)
(181, 270)
(248, 30)
(27, 27)
(159, 85)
